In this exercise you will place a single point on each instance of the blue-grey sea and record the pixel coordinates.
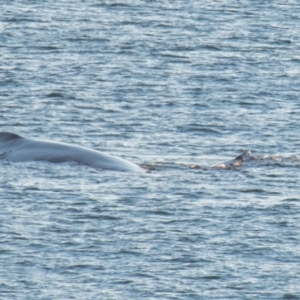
(165, 84)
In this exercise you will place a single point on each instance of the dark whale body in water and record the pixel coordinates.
(238, 161)
(18, 149)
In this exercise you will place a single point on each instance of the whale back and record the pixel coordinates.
(7, 137)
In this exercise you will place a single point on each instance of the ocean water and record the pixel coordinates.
(166, 84)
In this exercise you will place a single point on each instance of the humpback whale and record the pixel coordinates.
(15, 148)
(18, 149)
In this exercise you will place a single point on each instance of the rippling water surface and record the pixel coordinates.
(162, 83)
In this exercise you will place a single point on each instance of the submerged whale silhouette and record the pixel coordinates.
(18, 149)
